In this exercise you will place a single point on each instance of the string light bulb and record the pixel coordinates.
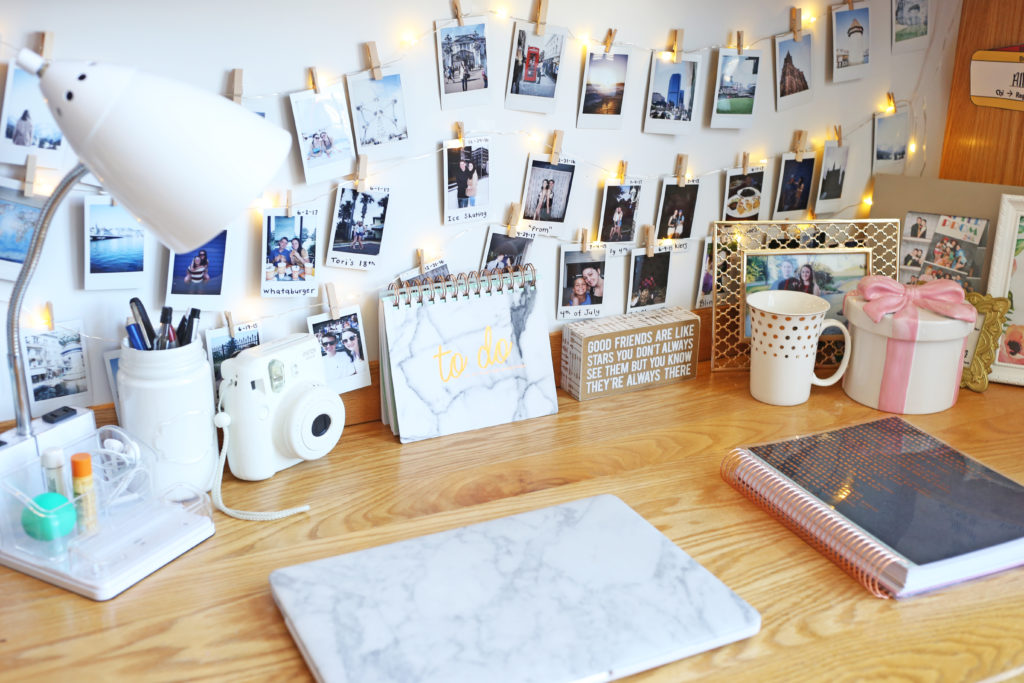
(867, 201)
(409, 37)
(502, 13)
(912, 147)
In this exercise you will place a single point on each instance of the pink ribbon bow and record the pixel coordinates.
(884, 295)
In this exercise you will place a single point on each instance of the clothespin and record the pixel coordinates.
(333, 300)
(371, 54)
(460, 133)
(849, 5)
(839, 135)
(649, 239)
(48, 316)
(739, 42)
(314, 77)
(288, 204)
(513, 219)
(46, 44)
(796, 23)
(359, 176)
(609, 38)
(799, 143)
(584, 240)
(890, 101)
(556, 148)
(682, 162)
(28, 188)
(623, 168)
(421, 262)
(458, 12)
(542, 16)
(235, 85)
(677, 42)
(746, 163)
(230, 323)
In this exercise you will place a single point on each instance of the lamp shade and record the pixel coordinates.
(185, 161)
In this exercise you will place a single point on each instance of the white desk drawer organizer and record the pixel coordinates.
(97, 548)
(908, 344)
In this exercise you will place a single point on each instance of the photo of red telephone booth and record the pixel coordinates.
(533, 64)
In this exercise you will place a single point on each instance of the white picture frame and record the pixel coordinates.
(620, 204)
(603, 89)
(281, 275)
(343, 371)
(648, 279)
(1006, 278)
(316, 115)
(591, 267)
(466, 165)
(379, 114)
(459, 47)
(891, 140)
(832, 178)
(19, 216)
(56, 364)
(545, 211)
(794, 188)
(26, 124)
(674, 103)
(794, 70)
(736, 88)
(912, 24)
(115, 246)
(358, 227)
(529, 84)
(851, 41)
(202, 285)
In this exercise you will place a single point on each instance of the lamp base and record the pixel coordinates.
(19, 449)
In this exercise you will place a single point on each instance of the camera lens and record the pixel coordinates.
(321, 423)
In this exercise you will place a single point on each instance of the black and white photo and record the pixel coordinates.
(57, 367)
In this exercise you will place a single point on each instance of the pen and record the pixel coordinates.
(179, 331)
(146, 327)
(193, 315)
(135, 337)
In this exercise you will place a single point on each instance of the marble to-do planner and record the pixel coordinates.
(583, 591)
(467, 352)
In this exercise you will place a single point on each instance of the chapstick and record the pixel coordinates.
(85, 494)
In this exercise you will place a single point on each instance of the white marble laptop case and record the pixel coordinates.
(583, 591)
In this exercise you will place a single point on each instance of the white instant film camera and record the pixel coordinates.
(281, 410)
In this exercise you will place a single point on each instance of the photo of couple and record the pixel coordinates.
(467, 166)
(582, 277)
(547, 191)
(343, 349)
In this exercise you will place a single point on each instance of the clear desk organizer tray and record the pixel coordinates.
(134, 532)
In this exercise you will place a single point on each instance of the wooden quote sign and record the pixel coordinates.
(629, 352)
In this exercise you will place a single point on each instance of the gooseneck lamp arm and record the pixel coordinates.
(19, 381)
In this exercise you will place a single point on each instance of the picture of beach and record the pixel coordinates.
(604, 85)
(115, 246)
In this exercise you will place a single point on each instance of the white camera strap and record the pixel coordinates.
(222, 420)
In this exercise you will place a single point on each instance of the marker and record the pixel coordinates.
(139, 311)
(179, 331)
(193, 315)
(135, 337)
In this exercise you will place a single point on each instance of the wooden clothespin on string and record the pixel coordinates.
(28, 187)
(799, 143)
(513, 219)
(359, 176)
(849, 5)
(890, 101)
(650, 239)
(333, 300)
(314, 78)
(230, 322)
(288, 204)
(460, 133)
(458, 12)
(739, 42)
(746, 163)
(796, 23)
(542, 17)
(676, 44)
(609, 38)
(421, 262)
(584, 240)
(623, 169)
(371, 54)
(235, 85)
(46, 44)
(556, 147)
(48, 315)
(838, 130)
(682, 162)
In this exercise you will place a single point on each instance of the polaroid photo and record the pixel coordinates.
(832, 178)
(196, 278)
(581, 284)
(604, 87)
(851, 40)
(57, 367)
(735, 88)
(502, 251)
(793, 189)
(648, 280)
(343, 348)
(911, 24)
(378, 114)
(705, 297)
(915, 244)
(357, 231)
(892, 135)
(533, 67)
(676, 208)
(957, 251)
(619, 203)
(18, 218)
(932, 272)
(220, 345)
(792, 70)
(112, 363)
(324, 136)
(433, 271)
(743, 193)
(672, 105)
(546, 195)
(289, 253)
(28, 125)
(462, 61)
(467, 180)
(114, 246)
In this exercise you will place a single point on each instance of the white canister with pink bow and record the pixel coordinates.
(908, 344)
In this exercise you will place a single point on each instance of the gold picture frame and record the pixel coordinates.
(994, 310)
(730, 351)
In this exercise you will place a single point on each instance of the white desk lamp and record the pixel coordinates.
(184, 161)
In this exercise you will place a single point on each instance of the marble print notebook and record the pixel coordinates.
(583, 591)
(467, 352)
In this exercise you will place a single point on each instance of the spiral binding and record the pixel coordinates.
(861, 557)
(463, 285)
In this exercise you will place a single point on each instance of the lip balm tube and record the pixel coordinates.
(85, 494)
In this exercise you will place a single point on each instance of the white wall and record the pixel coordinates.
(200, 42)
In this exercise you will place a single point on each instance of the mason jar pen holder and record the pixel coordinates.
(96, 538)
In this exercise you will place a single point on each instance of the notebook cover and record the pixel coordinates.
(587, 590)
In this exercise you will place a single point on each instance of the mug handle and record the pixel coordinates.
(829, 381)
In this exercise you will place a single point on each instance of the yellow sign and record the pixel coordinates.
(997, 78)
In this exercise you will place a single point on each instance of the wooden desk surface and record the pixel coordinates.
(210, 613)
